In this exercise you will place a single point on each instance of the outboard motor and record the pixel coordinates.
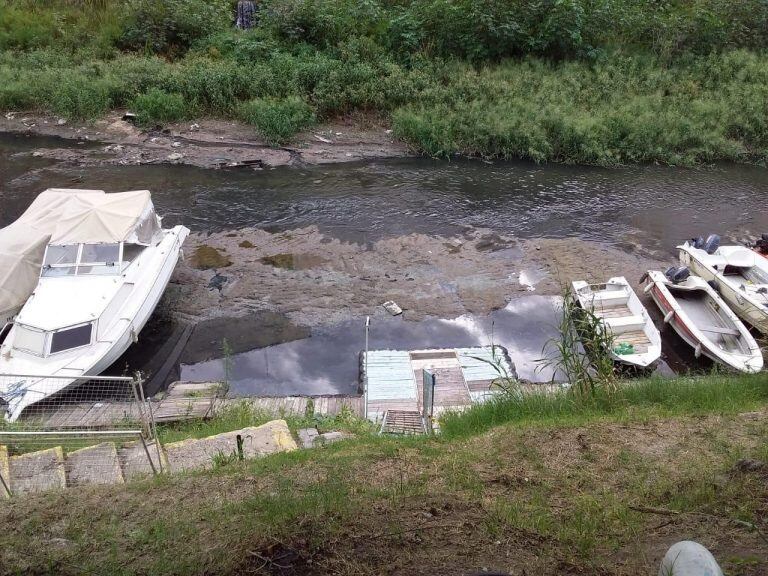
(711, 244)
(697, 242)
(761, 244)
(677, 274)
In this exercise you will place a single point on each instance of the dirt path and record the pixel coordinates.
(204, 143)
(316, 279)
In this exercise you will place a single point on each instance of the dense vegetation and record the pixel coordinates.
(592, 81)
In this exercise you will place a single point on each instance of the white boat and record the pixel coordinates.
(636, 341)
(104, 269)
(703, 319)
(738, 273)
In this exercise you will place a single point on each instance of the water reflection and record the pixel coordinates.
(328, 361)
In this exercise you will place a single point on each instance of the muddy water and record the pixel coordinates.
(637, 210)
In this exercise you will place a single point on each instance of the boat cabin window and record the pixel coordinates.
(130, 253)
(81, 260)
(60, 261)
(71, 338)
(99, 259)
(29, 340)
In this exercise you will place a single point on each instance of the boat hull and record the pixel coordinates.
(107, 348)
(683, 325)
(753, 313)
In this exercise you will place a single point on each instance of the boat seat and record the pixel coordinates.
(610, 297)
(625, 323)
(719, 330)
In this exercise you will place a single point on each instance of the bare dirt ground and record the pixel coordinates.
(316, 279)
(207, 143)
(605, 498)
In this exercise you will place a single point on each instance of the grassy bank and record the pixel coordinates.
(602, 492)
(579, 81)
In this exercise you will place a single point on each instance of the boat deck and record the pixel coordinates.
(637, 338)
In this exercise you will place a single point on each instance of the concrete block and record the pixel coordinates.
(133, 459)
(97, 464)
(257, 441)
(330, 438)
(38, 471)
(307, 437)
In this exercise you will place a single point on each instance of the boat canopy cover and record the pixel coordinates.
(68, 216)
(21, 254)
(94, 217)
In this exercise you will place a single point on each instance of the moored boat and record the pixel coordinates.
(636, 341)
(106, 265)
(739, 274)
(703, 319)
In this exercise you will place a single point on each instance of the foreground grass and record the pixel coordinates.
(634, 400)
(606, 495)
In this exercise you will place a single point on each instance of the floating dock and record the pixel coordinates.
(463, 377)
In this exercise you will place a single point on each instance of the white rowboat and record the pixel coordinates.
(703, 319)
(621, 311)
(739, 274)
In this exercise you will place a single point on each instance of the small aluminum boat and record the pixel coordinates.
(703, 319)
(636, 341)
(739, 274)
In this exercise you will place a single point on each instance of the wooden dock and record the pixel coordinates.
(182, 401)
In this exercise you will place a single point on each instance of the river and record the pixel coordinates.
(643, 210)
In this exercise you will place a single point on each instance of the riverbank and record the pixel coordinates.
(206, 143)
(577, 82)
(569, 491)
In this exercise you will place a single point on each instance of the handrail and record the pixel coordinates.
(81, 377)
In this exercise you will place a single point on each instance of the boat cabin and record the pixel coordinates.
(88, 259)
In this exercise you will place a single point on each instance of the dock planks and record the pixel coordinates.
(182, 401)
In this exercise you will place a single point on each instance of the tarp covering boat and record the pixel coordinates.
(68, 216)
(94, 217)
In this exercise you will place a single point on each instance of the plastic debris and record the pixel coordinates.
(392, 308)
(623, 349)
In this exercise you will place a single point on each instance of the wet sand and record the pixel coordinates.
(319, 280)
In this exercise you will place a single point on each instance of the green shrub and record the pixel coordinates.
(156, 106)
(24, 29)
(171, 26)
(278, 120)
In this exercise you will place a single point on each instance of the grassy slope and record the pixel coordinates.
(579, 81)
(531, 494)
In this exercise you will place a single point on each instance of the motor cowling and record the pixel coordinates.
(677, 274)
(711, 244)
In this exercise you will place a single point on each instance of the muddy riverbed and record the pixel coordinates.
(284, 264)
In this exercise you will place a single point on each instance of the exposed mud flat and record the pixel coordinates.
(204, 143)
(320, 280)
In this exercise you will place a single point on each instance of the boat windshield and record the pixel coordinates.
(81, 260)
(29, 340)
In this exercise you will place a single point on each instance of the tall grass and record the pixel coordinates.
(646, 398)
(602, 83)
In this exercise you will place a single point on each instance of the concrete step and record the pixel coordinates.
(38, 471)
(97, 464)
(257, 441)
(133, 460)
